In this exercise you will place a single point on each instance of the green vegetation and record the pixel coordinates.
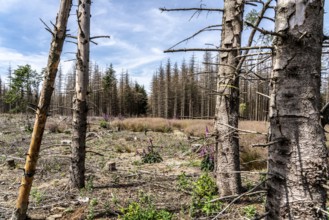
(144, 210)
(91, 209)
(104, 124)
(23, 89)
(204, 190)
(36, 195)
(183, 182)
(249, 211)
(150, 155)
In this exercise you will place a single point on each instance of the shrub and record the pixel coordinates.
(150, 155)
(144, 210)
(204, 190)
(104, 124)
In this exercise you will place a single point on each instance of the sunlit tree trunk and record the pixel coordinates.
(80, 108)
(298, 159)
(227, 105)
(59, 34)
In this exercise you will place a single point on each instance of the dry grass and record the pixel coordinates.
(190, 127)
(251, 158)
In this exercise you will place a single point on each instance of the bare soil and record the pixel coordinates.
(52, 198)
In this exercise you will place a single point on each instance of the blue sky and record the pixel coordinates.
(139, 33)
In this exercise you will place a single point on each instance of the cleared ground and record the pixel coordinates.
(121, 142)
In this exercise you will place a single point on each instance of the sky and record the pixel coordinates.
(139, 34)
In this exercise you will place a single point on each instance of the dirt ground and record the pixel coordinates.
(51, 197)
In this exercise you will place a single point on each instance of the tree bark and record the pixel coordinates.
(59, 34)
(297, 162)
(227, 102)
(80, 108)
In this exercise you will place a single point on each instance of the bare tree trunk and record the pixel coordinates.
(227, 106)
(59, 34)
(298, 160)
(80, 108)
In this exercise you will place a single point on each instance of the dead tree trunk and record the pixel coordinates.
(80, 108)
(227, 106)
(298, 159)
(59, 34)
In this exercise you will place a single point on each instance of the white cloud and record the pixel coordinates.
(14, 58)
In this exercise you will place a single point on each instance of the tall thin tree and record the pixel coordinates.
(227, 102)
(80, 107)
(59, 34)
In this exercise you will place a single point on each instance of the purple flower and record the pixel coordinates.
(207, 131)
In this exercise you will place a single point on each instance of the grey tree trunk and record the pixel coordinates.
(227, 102)
(59, 34)
(80, 108)
(298, 161)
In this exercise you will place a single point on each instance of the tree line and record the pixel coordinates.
(107, 94)
(182, 91)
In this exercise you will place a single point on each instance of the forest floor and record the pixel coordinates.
(133, 185)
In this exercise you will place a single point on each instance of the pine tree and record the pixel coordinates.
(110, 91)
(161, 92)
(24, 81)
(176, 92)
(168, 92)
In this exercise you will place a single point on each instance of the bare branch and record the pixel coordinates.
(245, 131)
(68, 41)
(252, 4)
(325, 37)
(47, 27)
(198, 32)
(71, 36)
(237, 198)
(234, 196)
(262, 94)
(253, 32)
(255, 1)
(101, 36)
(266, 144)
(318, 209)
(263, 31)
(268, 18)
(218, 49)
(191, 9)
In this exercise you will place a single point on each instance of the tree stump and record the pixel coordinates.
(110, 166)
(11, 163)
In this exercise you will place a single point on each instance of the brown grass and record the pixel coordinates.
(251, 158)
(190, 127)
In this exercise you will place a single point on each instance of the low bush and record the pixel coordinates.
(144, 210)
(150, 155)
(204, 190)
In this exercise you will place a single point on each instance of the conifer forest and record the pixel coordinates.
(227, 122)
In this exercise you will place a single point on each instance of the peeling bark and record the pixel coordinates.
(80, 108)
(227, 102)
(59, 34)
(297, 165)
